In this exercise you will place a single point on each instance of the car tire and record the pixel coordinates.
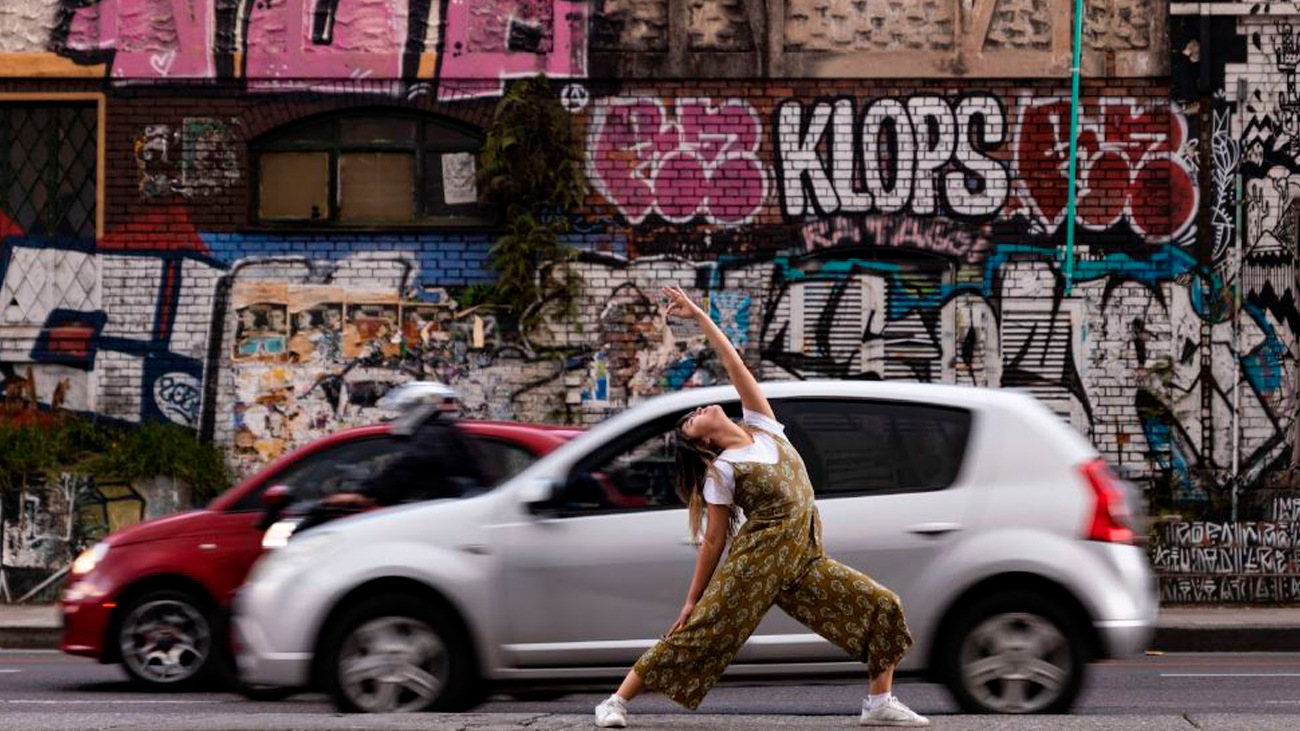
(1014, 652)
(420, 649)
(166, 640)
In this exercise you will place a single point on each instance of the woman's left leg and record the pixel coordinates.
(864, 619)
(882, 684)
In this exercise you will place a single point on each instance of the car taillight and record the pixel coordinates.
(1110, 514)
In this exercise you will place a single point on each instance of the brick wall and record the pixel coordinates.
(852, 205)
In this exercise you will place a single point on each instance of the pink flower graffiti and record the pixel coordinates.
(1130, 166)
(700, 159)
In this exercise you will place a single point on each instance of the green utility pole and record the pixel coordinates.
(1074, 144)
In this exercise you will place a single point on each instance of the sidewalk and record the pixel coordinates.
(674, 722)
(1179, 629)
(29, 627)
(1228, 629)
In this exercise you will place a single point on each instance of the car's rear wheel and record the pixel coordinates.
(393, 654)
(1015, 653)
(165, 639)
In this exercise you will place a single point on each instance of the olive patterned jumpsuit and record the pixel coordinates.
(776, 558)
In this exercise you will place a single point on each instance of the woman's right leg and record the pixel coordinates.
(684, 665)
(612, 712)
(632, 686)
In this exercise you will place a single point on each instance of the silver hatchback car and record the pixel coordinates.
(1008, 539)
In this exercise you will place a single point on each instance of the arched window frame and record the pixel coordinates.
(358, 136)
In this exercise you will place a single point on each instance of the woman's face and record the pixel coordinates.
(704, 423)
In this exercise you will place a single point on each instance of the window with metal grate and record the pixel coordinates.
(48, 168)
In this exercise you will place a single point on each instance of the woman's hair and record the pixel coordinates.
(694, 464)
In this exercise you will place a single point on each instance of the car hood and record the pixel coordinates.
(459, 520)
(168, 526)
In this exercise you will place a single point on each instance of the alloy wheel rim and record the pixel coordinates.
(1016, 662)
(393, 665)
(165, 641)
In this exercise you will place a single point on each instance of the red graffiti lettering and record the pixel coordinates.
(699, 160)
(1128, 157)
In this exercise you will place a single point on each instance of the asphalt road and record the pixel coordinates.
(45, 690)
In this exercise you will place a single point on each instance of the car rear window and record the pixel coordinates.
(501, 459)
(854, 447)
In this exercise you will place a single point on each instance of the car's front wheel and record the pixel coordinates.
(165, 639)
(1015, 653)
(393, 654)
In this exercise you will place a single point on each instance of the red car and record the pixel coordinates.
(155, 596)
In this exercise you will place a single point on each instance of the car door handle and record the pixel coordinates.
(933, 530)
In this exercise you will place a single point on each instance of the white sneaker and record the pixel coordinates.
(611, 713)
(893, 713)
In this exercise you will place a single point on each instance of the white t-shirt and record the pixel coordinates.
(721, 489)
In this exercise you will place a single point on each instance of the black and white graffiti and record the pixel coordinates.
(925, 154)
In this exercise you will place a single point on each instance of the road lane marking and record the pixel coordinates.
(10, 670)
(1282, 701)
(1230, 675)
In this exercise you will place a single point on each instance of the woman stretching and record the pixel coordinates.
(775, 558)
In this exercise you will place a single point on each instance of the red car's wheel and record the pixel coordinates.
(165, 639)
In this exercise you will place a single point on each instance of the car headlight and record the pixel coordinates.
(89, 559)
(294, 554)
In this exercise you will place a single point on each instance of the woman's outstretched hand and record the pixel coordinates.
(680, 304)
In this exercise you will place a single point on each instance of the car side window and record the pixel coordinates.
(858, 446)
(338, 469)
(501, 459)
(635, 474)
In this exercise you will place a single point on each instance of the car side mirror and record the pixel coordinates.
(275, 499)
(579, 491)
(543, 496)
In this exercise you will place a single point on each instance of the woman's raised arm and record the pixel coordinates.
(751, 396)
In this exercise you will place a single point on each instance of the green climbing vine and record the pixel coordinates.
(531, 167)
(41, 446)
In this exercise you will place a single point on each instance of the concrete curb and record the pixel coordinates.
(1245, 638)
(30, 638)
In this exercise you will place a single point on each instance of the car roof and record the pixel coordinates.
(1029, 412)
(934, 393)
(534, 434)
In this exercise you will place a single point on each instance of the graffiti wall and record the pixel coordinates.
(1230, 474)
(855, 192)
(45, 524)
(315, 45)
